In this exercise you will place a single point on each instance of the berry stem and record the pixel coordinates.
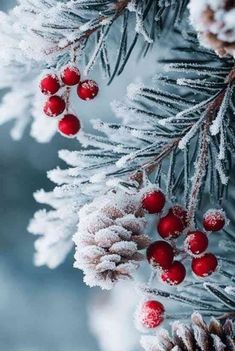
(67, 98)
(229, 315)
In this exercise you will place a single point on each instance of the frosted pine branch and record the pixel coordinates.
(142, 142)
(58, 28)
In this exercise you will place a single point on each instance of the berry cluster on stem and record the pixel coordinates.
(161, 254)
(55, 105)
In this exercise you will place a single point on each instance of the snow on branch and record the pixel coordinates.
(21, 102)
(142, 143)
(39, 34)
(57, 30)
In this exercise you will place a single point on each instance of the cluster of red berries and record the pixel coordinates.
(69, 125)
(161, 254)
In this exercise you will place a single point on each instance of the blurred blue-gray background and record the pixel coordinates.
(40, 310)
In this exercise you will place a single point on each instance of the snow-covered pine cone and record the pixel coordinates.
(215, 23)
(109, 236)
(198, 336)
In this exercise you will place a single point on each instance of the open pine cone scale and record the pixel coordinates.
(198, 336)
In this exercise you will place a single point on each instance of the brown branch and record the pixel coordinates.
(202, 162)
(119, 7)
(203, 157)
(228, 315)
(150, 166)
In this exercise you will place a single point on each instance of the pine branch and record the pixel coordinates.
(159, 124)
(118, 9)
(202, 162)
(66, 31)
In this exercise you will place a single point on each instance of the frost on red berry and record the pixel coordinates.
(214, 220)
(205, 265)
(181, 213)
(69, 125)
(170, 226)
(87, 90)
(196, 243)
(54, 106)
(150, 314)
(175, 274)
(153, 201)
(160, 254)
(70, 75)
(49, 84)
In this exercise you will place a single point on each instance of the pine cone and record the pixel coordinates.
(109, 237)
(195, 337)
(214, 20)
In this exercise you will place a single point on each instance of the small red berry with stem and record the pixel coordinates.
(151, 314)
(170, 226)
(196, 243)
(70, 75)
(175, 274)
(160, 254)
(214, 220)
(69, 125)
(49, 84)
(181, 213)
(54, 106)
(87, 90)
(153, 201)
(205, 265)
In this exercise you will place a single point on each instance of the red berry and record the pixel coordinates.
(175, 274)
(50, 84)
(160, 254)
(205, 265)
(69, 125)
(153, 201)
(70, 75)
(214, 220)
(54, 106)
(181, 213)
(170, 226)
(196, 242)
(87, 90)
(151, 314)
